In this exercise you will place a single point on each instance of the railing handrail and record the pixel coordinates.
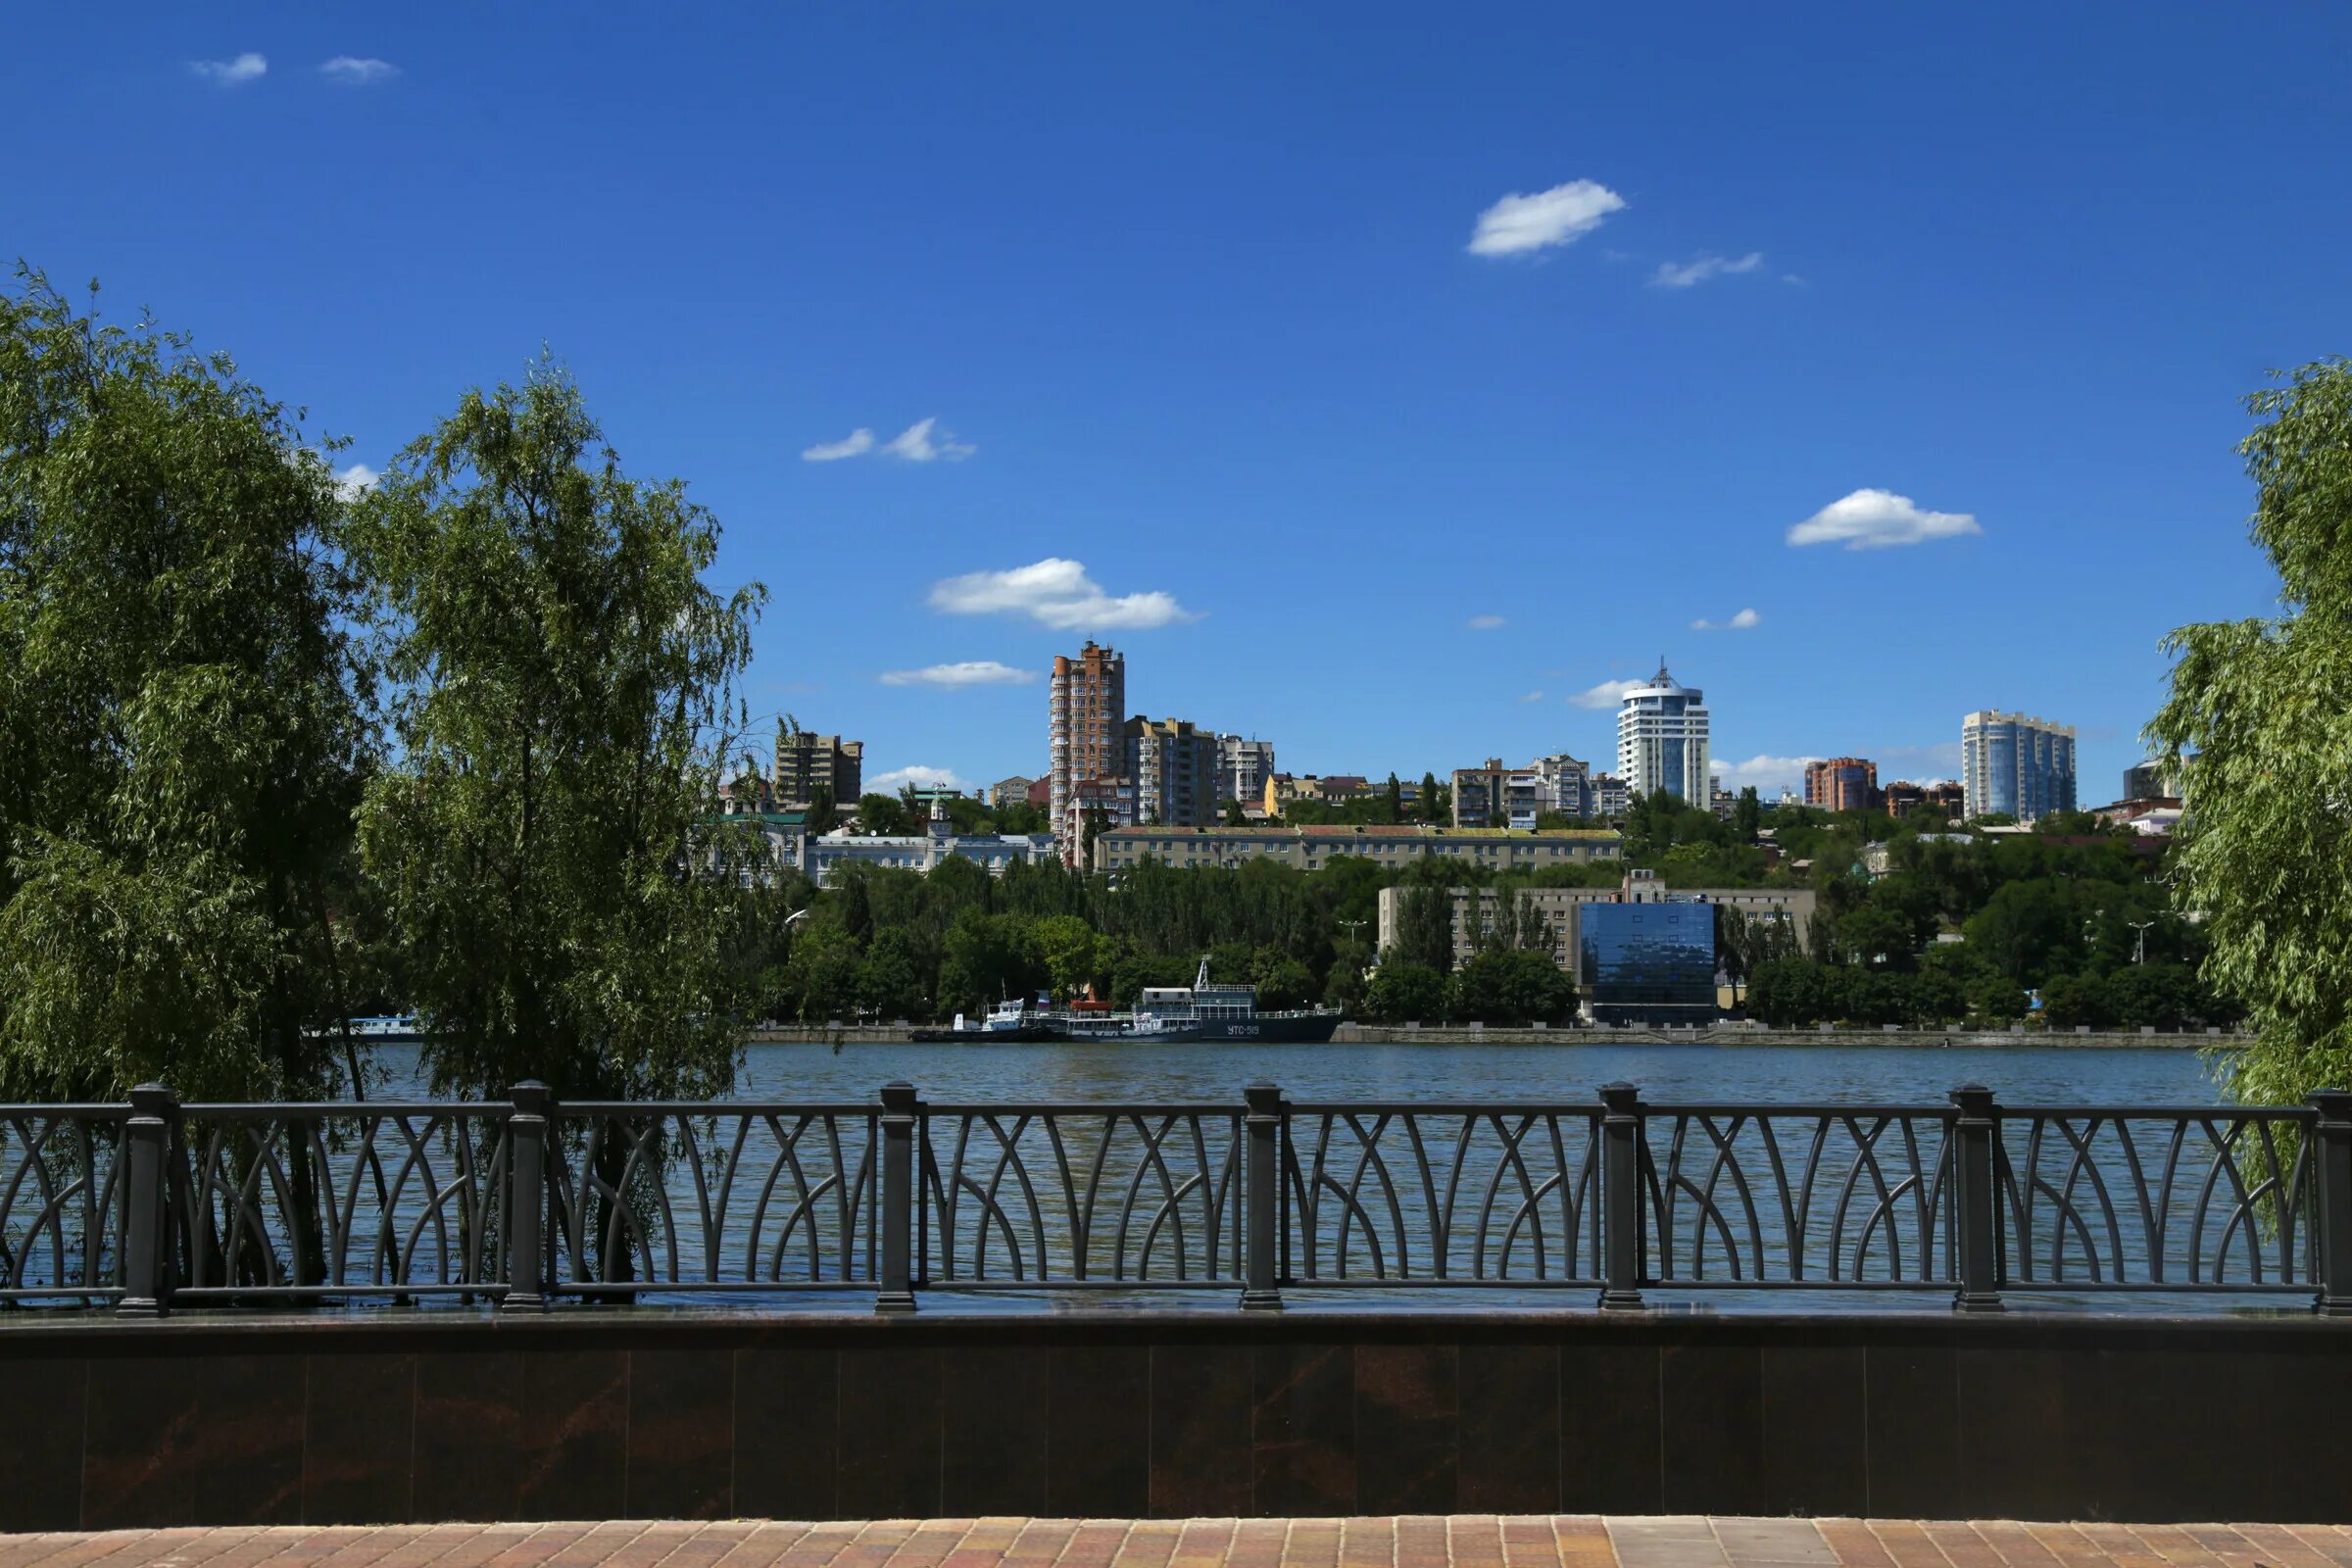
(545, 1198)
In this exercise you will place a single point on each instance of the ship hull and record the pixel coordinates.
(1306, 1029)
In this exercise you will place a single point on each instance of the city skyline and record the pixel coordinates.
(1399, 438)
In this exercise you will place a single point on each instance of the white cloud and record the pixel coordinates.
(1561, 216)
(356, 481)
(969, 672)
(1608, 694)
(1532, 697)
(1483, 622)
(235, 72)
(914, 445)
(1669, 276)
(1055, 593)
(359, 70)
(1739, 622)
(858, 441)
(1764, 772)
(1873, 520)
(919, 776)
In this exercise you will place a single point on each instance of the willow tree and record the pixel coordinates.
(561, 685)
(2258, 727)
(182, 732)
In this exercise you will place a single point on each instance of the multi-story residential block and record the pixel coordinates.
(1005, 792)
(1174, 765)
(1719, 800)
(1843, 784)
(1310, 849)
(1662, 739)
(2016, 765)
(1496, 796)
(1563, 785)
(806, 762)
(1612, 798)
(1243, 768)
(1087, 742)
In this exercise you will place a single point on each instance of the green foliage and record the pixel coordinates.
(823, 814)
(1404, 992)
(1513, 986)
(885, 816)
(182, 732)
(2257, 729)
(562, 680)
(1425, 928)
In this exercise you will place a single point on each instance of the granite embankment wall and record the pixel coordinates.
(1350, 1034)
(591, 1414)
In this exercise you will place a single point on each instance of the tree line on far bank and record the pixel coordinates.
(275, 752)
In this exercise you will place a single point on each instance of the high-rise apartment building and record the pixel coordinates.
(1662, 740)
(1087, 740)
(1175, 765)
(1243, 768)
(806, 762)
(1496, 796)
(1563, 784)
(1843, 784)
(2015, 765)
(1611, 800)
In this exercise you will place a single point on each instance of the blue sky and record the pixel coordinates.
(1392, 376)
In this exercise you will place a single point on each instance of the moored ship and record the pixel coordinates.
(1006, 1023)
(1200, 1011)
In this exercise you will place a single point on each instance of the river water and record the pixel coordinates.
(1524, 1073)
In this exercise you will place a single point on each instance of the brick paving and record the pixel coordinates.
(1473, 1540)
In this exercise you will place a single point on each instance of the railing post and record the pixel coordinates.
(1620, 1197)
(147, 1200)
(900, 1109)
(1261, 1193)
(2331, 1219)
(526, 1197)
(1975, 1197)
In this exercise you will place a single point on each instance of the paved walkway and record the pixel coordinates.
(1462, 1542)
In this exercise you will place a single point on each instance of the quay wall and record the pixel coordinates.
(597, 1414)
(1350, 1034)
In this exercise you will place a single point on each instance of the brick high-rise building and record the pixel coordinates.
(1087, 742)
(1843, 784)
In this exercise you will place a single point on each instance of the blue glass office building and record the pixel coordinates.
(1649, 963)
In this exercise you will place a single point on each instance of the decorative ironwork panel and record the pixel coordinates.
(1442, 1195)
(1831, 1197)
(60, 1203)
(1079, 1195)
(318, 1202)
(2155, 1199)
(712, 1198)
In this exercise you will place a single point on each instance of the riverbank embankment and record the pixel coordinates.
(1730, 1034)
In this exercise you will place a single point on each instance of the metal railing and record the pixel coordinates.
(525, 1202)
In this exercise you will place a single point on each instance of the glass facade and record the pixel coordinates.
(1647, 962)
(2017, 766)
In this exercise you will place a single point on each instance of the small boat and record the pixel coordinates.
(1006, 1023)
